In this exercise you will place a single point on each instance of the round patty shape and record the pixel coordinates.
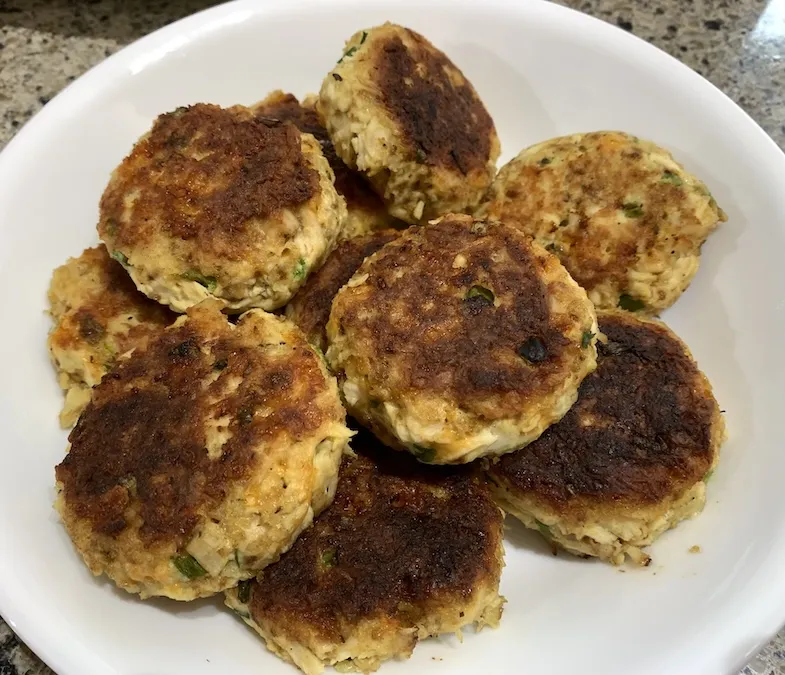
(398, 110)
(405, 552)
(460, 339)
(200, 459)
(631, 457)
(365, 209)
(98, 316)
(310, 308)
(623, 216)
(221, 203)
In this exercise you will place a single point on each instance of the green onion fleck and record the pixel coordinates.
(420, 155)
(321, 356)
(220, 364)
(299, 269)
(188, 566)
(672, 178)
(245, 416)
(426, 455)
(244, 591)
(630, 304)
(553, 247)
(349, 52)
(362, 39)
(545, 531)
(120, 257)
(586, 339)
(632, 209)
(208, 282)
(533, 350)
(111, 227)
(329, 558)
(481, 292)
(545, 161)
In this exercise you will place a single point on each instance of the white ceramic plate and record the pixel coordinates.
(543, 71)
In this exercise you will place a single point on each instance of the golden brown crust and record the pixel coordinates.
(142, 437)
(400, 542)
(283, 107)
(643, 429)
(91, 291)
(621, 214)
(310, 308)
(201, 174)
(439, 114)
(490, 355)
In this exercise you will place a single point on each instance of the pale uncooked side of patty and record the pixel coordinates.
(201, 458)
(221, 203)
(460, 339)
(631, 458)
(625, 218)
(406, 552)
(98, 316)
(399, 111)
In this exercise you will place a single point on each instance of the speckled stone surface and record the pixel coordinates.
(739, 45)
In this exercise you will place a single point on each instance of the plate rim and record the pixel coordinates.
(764, 616)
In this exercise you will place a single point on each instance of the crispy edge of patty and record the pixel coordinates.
(630, 459)
(98, 315)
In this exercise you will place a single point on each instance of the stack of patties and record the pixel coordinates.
(206, 446)
(213, 454)
(366, 211)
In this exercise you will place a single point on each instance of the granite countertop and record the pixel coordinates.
(739, 45)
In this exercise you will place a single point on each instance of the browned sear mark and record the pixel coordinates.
(348, 183)
(146, 425)
(399, 541)
(202, 173)
(462, 348)
(444, 123)
(639, 432)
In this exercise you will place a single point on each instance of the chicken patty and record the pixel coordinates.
(624, 217)
(310, 308)
(200, 459)
(630, 459)
(404, 553)
(460, 339)
(365, 209)
(98, 316)
(221, 203)
(399, 111)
